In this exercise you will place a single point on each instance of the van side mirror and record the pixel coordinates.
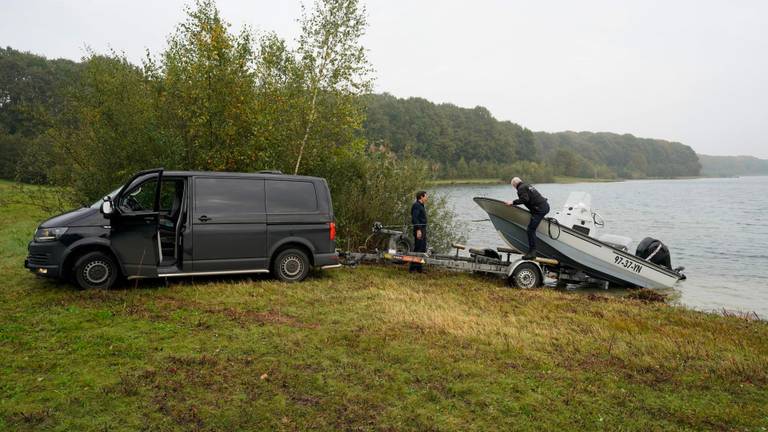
(106, 206)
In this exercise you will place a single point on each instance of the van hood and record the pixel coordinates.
(82, 217)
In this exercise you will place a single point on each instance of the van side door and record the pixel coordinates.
(134, 225)
(229, 225)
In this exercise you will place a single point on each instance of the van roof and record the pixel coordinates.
(259, 174)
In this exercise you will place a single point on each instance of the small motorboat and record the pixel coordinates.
(570, 237)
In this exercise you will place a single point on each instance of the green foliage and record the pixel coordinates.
(220, 101)
(206, 93)
(108, 129)
(443, 134)
(31, 95)
(606, 155)
(331, 63)
(470, 143)
(381, 188)
(531, 171)
(726, 166)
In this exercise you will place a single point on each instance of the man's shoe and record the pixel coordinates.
(530, 256)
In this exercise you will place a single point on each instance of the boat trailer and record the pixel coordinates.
(505, 262)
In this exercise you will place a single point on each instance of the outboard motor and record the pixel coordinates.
(654, 251)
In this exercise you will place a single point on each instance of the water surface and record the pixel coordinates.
(717, 228)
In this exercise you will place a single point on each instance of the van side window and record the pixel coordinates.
(291, 197)
(229, 199)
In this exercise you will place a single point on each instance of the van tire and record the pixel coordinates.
(95, 270)
(291, 265)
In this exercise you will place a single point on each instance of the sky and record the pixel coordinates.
(682, 70)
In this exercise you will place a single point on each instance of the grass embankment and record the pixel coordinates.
(362, 349)
(476, 181)
(491, 181)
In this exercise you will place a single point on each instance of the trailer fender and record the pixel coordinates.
(516, 264)
(525, 274)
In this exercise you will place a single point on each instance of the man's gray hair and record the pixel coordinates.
(515, 181)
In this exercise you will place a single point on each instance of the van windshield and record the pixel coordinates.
(112, 195)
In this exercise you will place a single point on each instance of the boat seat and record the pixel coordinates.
(507, 250)
(458, 246)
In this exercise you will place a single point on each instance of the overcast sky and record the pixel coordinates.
(683, 70)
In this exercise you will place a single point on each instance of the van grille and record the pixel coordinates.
(38, 259)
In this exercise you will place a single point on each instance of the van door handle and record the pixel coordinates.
(203, 218)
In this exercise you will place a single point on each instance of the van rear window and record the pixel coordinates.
(229, 199)
(291, 197)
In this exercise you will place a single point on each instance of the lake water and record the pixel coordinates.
(717, 228)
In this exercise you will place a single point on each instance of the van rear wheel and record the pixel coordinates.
(95, 270)
(291, 265)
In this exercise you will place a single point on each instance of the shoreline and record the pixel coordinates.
(567, 180)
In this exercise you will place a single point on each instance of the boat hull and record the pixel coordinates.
(576, 250)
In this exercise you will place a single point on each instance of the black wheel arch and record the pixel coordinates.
(79, 249)
(291, 245)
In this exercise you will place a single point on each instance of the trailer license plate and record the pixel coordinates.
(627, 263)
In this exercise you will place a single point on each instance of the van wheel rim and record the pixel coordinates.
(526, 278)
(291, 266)
(96, 272)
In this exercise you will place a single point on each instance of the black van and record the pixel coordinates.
(182, 223)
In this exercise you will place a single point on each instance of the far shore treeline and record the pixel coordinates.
(471, 143)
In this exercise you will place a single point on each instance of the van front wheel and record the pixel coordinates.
(95, 270)
(291, 265)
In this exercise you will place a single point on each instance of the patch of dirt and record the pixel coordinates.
(598, 298)
(35, 418)
(647, 296)
(184, 388)
(163, 307)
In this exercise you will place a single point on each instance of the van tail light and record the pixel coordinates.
(332, 230)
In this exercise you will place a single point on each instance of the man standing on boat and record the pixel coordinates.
(528, 196)
(419, 222)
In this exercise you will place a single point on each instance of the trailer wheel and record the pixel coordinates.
(526, 275)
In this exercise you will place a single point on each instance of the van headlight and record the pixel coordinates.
(49, 234)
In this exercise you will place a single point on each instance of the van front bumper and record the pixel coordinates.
(43, 259)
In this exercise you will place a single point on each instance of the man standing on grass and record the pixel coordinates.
(419, 222)
(528, 196)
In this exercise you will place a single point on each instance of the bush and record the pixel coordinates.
(215, 101)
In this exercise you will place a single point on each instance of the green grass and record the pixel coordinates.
(488, 181)
(371, 348)
(474, 181)
(567, 180)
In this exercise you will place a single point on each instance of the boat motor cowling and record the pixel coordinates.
(655, 251)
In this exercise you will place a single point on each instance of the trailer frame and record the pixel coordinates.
(517, 271)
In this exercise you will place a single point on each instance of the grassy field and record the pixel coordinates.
(488, 181)
(475, 181)
(565, 179)
(361, 349)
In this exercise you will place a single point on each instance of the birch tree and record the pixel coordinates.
(332, 62)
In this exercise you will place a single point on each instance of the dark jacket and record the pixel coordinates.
(419, 217)
(528, 196)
